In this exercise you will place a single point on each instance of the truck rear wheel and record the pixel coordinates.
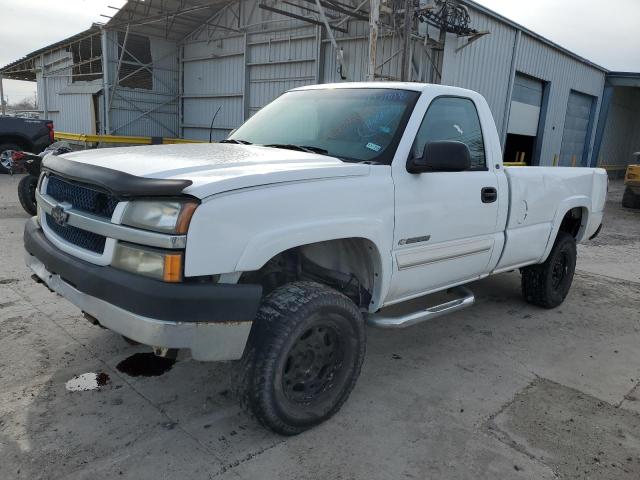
(27, 194)
(303, 357)
(631, 198)
(547, 284)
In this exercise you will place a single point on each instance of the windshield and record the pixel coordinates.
(353, 124)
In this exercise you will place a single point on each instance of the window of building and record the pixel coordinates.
(87, 59)
(452, 118)
(137, 52)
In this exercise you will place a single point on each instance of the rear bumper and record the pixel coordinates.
(213, 321)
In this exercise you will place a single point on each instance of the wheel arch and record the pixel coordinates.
(572, 217)
(335, 259)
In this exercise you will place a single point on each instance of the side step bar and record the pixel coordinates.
(388, 321)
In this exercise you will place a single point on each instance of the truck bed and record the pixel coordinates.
(539, 198)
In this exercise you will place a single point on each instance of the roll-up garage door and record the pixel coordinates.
(526, 102)
(577, 126)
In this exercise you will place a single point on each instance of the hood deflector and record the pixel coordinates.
(120, 184)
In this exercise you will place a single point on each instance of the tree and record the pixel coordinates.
(25, 104)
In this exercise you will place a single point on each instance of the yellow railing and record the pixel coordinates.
(515, 164)
(86, 138)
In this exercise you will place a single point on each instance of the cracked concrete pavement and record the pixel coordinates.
(501, 390)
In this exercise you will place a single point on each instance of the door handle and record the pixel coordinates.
(489, 195)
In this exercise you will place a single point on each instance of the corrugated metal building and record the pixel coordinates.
(618, 133)
(198, 69)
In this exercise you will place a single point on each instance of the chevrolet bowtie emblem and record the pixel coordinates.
(59, 215)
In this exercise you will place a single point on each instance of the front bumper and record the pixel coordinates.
(212, 320)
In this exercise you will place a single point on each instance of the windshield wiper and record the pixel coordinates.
(301, 148)
(233, 140)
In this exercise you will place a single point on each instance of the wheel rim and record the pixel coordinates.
(5, 159)
(312, 364)
(560, 270)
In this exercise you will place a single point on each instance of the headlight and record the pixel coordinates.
(158, 264)
(166, 216)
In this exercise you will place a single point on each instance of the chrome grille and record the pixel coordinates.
(82, 238)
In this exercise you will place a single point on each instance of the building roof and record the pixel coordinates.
(175, 19)
(531, 33)
(623, 79)
(25, 67)
(170, 19)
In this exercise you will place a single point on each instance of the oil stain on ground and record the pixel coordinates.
(145, 365)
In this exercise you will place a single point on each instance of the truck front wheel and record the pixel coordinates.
(303, 357)
(27, 194)
(547, 284)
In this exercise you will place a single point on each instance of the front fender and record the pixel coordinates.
(268, 244)
(240, 231)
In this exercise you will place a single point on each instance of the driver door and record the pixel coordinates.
(446, 225)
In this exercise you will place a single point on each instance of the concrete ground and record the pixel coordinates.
(502, 390)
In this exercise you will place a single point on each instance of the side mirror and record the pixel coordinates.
(444, 156)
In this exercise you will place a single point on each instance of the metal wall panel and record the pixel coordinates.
(564, 73)
(213, 81)
(141, 112)
(278, 62)
(355, 46)
(281, 54)
(485, 66)
(621, 137)
(240, 73)
(69, 112)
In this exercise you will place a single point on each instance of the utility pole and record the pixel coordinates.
(106, 128)
(405, 73)
(374, 20)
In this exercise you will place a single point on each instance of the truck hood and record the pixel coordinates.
(219, 167)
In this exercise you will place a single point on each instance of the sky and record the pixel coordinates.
(607, 33)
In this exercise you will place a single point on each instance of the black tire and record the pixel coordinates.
(547, 284)
(630, 199)
(7, 146)
(303, 357)
(27, 194)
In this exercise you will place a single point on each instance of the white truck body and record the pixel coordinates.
(409, 234)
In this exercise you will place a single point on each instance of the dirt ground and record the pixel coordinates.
(498, 391)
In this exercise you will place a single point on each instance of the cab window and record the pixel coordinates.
(452, 118)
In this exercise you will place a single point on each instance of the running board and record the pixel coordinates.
(388, 321)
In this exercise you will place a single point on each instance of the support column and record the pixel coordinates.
(106, 128)
(512, 79)
(45, 90)
(2, 104)
(246, 80)
(180, 91)
(374, 20)
(605, 105)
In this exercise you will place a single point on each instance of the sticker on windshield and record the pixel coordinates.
(373, 146)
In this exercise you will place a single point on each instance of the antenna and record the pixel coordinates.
(211, 127)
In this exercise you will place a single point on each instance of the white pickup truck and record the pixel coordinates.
(277, 245)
